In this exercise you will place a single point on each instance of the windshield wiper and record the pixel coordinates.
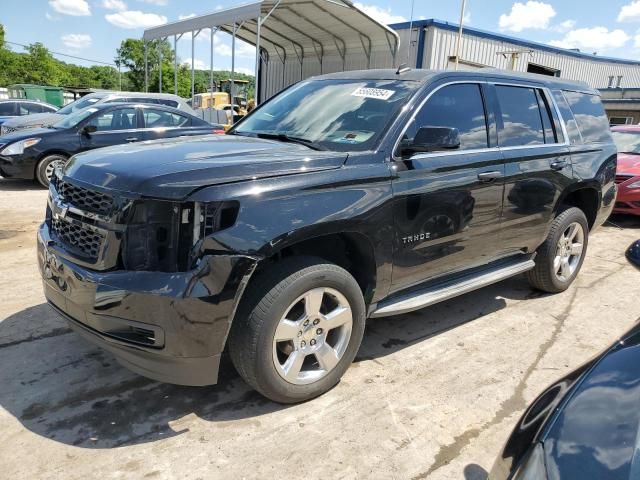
(283, 137)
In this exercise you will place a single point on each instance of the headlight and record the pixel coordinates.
(635, 184)
(17, 148)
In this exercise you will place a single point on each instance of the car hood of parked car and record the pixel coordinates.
(628, 164)
(24, 134)
(33, 121)
(174, 168)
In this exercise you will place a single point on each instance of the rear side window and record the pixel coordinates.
(589, 116)
(521, 117)
(567, 115)
(160, 118)
(168, 103)
(29, 108)
(456, 106)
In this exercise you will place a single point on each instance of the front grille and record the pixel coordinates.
(622, 178)
(5, 130)
(78, 238)
(84, 199)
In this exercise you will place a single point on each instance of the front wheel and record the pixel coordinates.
(298, 329)
(560, 257)
(48, 165)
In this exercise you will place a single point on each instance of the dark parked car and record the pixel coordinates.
(351, 195)
(584, 426)
(44, 119)
(36, 153)
(19, 108)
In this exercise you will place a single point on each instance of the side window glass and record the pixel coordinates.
(547, 123)
(160, 118)
(7, 108)
(29, 108)
(456, 106)
(589, 115)
(567, 115)
(521, 119)
(168, 103)
(118, 119)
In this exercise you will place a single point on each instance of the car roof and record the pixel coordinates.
(167, 108)
(425, 76)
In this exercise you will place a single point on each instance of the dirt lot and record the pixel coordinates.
(432, 394)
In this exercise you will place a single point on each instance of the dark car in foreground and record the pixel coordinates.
(19, 108)
(36, 153)
(351, 195)
(585, 426)
(627, 140)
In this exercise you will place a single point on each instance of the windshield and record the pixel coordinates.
(340, 115)
(79, 104)
(73, 119)
(627, 142)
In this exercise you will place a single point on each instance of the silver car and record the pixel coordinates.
(41, 119)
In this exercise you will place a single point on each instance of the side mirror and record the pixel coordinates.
(633, 254)
(88, 130)
(431, 139)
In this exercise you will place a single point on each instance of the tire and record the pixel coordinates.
(44, 170)
(289, 289)
(547, 275)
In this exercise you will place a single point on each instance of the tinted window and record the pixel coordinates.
(590, 117)
(29, 108)
(81, 103)
(160, 118)
(118, 119)
(7, 108)
(168, 103)
(521, 120)
(455, 106)
(569, 121)
(547, 121)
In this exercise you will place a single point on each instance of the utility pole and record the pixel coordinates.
(459, 40)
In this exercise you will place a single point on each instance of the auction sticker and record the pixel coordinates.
(378, 93)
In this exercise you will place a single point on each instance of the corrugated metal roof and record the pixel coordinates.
(513, 40)
(296, 28)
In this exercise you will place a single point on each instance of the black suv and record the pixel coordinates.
(347, 196)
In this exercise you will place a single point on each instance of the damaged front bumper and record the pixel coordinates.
(170, 327)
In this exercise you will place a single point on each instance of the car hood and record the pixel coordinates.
(33, 121)
(174, 168)
(23, 134)
(628, 164)
(595, 434)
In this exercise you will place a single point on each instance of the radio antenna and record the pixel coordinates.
(410, 34)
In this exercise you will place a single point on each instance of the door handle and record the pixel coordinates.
(558, 164)
(489, 176)
(131, 139)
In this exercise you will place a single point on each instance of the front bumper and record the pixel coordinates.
(18, 166)
(628, 200)
(170, 327)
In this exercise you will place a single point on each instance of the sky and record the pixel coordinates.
(93, 29)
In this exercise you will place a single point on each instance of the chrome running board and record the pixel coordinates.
(449, 289)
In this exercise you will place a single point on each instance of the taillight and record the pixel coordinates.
(218, 131)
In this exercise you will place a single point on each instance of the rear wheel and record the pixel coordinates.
(298, 330)
(560, 257)
(46, 167)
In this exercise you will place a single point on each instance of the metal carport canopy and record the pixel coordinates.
(300, 29)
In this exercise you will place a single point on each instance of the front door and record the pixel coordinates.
(447, 204)
(114, 126)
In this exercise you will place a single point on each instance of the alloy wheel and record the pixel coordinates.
(569, 252)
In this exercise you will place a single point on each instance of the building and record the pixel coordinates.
(432, 44)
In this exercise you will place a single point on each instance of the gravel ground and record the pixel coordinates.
(433, 394)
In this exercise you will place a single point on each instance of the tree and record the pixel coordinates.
(131, 55)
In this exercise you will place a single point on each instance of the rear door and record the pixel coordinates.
(537, 163)
(447, 204)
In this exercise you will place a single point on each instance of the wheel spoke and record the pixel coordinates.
(287, 330)
(573, 231)
(327, 357)
(313, 301)
(576, 249)
(557, 263)
(336, 318)
(565, 269)
(293, 365)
